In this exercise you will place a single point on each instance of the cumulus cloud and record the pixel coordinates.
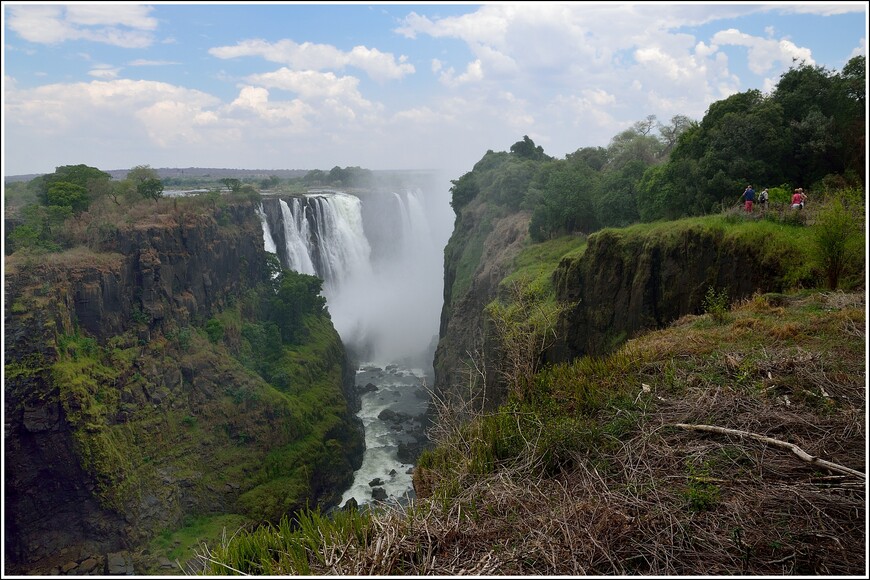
(124, 25)
(53, 108)
(473, 73)
(309, 56)
(764, 53)
(291, 114)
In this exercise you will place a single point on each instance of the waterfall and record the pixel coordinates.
(296, 237)
(343, 250)
(381, 262)
(268, 240)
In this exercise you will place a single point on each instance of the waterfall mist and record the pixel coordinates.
(380, 254)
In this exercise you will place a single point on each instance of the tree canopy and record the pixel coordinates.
(808, 131)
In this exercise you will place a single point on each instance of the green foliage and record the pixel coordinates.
(463, 191)
(142, 173)
(838, 243)
(338, 176)
(81, 175)
(716, 304)
(65, 194)
(139, 316)
(215, 330)
(150, 189)
(527, 150)
(232, 184)
(41, 228)
(524, 324)
(296, 296)
(701, 492)
(294, 547)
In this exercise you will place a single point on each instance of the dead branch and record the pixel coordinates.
(803, 455)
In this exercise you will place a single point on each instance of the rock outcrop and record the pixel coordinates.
(123, 420)
(481, 252)
(624, 283)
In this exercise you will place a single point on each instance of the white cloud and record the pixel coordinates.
(130, 15)
(764, 53)
(51, 109)
(311, 85)
(146, 62)
(124, 25)
(822, 8)
(104, 72)
(256, 100)
(860, 50)
(308, 56)
(473, 73)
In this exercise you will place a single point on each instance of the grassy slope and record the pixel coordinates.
(589, 475)
(586, 472)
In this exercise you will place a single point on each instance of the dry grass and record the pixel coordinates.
(649, 498)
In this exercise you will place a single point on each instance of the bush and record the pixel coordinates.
(837, 240)
(716, 304)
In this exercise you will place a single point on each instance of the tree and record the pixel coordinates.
(82, 175)
(270, 182)
(296, 296)
(150, 189)
(232, 184)
(142, 173)
(120, 189)
(837, 240)
(670, 134)
(463, 191)
(527, 149)
(65, 194)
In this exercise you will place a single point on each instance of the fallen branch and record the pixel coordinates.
(776, 443)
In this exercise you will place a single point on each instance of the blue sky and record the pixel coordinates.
(387, 86)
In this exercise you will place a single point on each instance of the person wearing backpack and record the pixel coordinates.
(762, 199)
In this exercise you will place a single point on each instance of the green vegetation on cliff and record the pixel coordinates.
(177, 384)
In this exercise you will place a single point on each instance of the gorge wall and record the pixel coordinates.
(122, 417)
(625, 281)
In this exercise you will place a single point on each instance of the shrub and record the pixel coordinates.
(716, 304)
(836, 240)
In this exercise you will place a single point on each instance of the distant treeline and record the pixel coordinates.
(808, 132)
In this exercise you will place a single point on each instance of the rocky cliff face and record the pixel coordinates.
(625, 283)
(481, 252)
(122, 420)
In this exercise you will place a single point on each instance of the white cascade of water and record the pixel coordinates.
(268, 240)
(296, 235)
(343, 249)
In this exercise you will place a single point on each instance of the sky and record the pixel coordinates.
(380, 86)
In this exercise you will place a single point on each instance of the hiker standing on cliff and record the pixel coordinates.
(798, 199)
(748, 197)
(762, 199)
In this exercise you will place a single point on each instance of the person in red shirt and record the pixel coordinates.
(797, 199)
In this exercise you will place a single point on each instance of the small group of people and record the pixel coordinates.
(748, 198)
(798, 199)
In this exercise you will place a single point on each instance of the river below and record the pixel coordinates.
(394, 401)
